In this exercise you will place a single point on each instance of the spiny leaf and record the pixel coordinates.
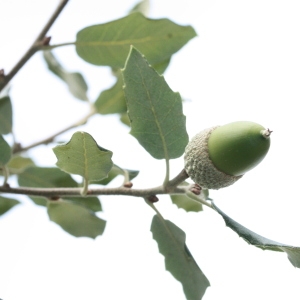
(154, 110)
(259, 241)
(5, 151)
(178, 259)
(5, 115)
(82, 156)
(52, 178)
(108, 44)
(75, 81)
(6, 204)
(75, 219)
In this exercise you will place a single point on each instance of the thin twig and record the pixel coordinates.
(76, 192)
(18, 148)
(41, 40)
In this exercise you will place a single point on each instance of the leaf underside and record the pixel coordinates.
(51, 178)
(82, 156)
(259, 241)
(75, 219)
(154, 110)
(178, 259)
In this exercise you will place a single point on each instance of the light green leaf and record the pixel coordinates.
(154, 110)
(52, 178)
(178, 259)
(84, 157)
(75, 219)
(75, 81)
(142, 7)
(18, 164)
(112, 101)
(125, 119)
(5, 115)
(5, 151)
(6, 204)
(259, 241)
(108, 44)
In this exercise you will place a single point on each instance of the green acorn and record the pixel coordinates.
(219, 156)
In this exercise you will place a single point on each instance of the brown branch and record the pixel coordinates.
(18, 148)
(172, 188)
(41, 40)
(76, 192)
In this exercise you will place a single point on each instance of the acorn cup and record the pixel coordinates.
(219, 156)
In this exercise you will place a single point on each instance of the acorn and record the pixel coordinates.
(219, 156)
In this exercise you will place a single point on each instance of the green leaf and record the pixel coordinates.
(84, 157)
(154, 110)
(5, 151)
(115, 171)
(259, 241)
(142, 7)
(178, 259)
(125, 119)
(112, 101)
(108, 44)
(75, 81)
(6, 204)
(75, 219)
(52, 178)
(18, 164)
(5, 115)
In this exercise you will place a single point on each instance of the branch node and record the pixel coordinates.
(152, 199)
(128, 184)
(196, 189)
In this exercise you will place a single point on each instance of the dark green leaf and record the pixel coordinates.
(51, 178)
(154, 110)
(5, 152)
(6, 204)
(259, 241)
(178, 259)
(108, 44)
(84, 157)
(75, 219)
(5, 115)
(75, 81)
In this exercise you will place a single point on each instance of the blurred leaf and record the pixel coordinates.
(82, 156)
(5, 151)
(18, 164)
(125, 119)
(112, 101)
(5, 115)
(51, 178)
(178, 259)
(259, 241)
(154, 110)
(142, 7)
(75, 81)
(114, 172)
(108, 44)
(6, 204)
(75, 219)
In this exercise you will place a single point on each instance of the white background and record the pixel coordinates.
(244, 65)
